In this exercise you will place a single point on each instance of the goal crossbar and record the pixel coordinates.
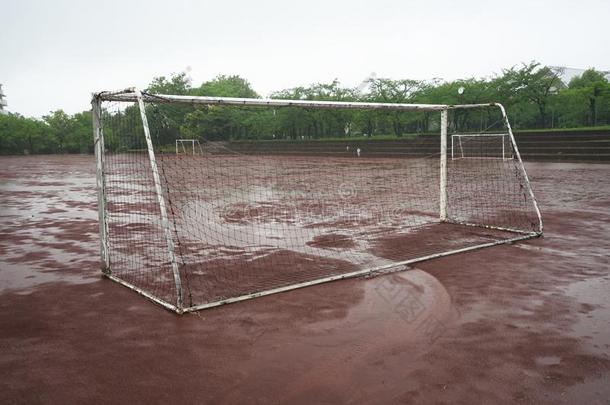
(129, 95)
(137, 98)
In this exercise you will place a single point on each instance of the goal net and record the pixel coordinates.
(270, 203)
(480, 146)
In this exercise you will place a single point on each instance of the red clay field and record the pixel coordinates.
(527, 322)
(243, 223)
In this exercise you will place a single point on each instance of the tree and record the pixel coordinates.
(395, 91)
(531, 83)
(533, 95)
(218, 122)
(80, 139)
(296, 122)
(165, 119)
(466, 91)
(570, 107)
(595, 85)
(178, 83)
(59, 122)
(226, 86)
(73, 133)
(19, 135)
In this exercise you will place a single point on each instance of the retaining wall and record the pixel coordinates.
(557, 146)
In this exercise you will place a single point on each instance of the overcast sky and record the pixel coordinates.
(54, 53)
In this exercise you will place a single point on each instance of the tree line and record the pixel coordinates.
(534, 96)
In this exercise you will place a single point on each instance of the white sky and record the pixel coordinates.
(54, 53)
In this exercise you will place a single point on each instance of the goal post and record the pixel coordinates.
(195, 225)
(98, 147)
(443, 167)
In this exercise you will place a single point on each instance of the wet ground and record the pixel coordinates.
(528, 322)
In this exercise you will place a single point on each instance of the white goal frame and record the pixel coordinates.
(193, 142)
(459, 145)
(133, 95)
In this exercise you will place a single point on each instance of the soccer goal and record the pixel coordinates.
(480, 146)
(246, 217)
(188, 146)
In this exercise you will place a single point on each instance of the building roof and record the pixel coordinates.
(567, 73)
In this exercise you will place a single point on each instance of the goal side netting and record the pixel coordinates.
(198, 209)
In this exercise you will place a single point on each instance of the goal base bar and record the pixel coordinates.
(142, 292)
(497, 228)
(174, 308)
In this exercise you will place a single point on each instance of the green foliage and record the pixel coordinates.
(300, 123)
(594, 86)
(533, 94)
(73, 133)
(218, 122)
(58, 132)
(178, 83)
(531, 83)
(226, 86)
(20, 135)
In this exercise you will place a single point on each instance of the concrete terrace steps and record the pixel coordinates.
(561, 146)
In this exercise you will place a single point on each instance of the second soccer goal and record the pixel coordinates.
(481, 146)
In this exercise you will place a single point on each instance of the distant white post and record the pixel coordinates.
(443, 178)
